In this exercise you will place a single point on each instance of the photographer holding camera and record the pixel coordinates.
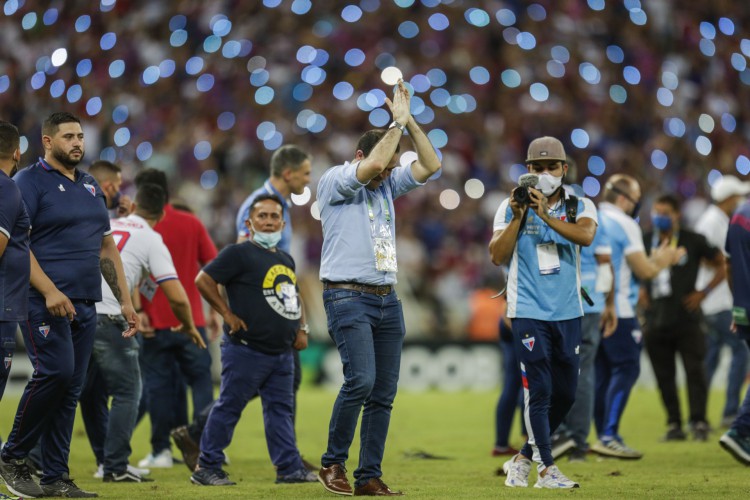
(537, 233)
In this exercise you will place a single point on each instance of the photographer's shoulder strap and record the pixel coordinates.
(571, 208)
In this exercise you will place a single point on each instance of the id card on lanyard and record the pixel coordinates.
(384, 246)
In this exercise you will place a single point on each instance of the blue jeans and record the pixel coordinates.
(578, 421)
(117, 360)
(742, 422)
(719, 334)
(369, 332)
(160, 353)
(246, 373)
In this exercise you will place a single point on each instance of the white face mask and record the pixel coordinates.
(548, 184)
(266, 240)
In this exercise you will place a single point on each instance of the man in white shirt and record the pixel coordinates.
(727, 194)
(143, 252)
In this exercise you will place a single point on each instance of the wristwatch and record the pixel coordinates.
(398, 126)
(305, 328)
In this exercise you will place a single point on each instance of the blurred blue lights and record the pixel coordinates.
(343, 90)
(596, 165)
(479, 75)
(408, 29)
(354, 57)
(108, 41)
(477, 17)
(202, 150)
(659, 159)
(351, 14)
(438, 21)
(144, 151)
(505, 17)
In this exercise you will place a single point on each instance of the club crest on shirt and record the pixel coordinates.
(8, 360)
(91, 189)
(60, 187)
(44, 330)
(529, 342)
(637, 336)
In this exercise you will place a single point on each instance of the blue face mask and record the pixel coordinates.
(267, 240)
(661, 223)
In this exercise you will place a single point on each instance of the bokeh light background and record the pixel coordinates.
(206, 90)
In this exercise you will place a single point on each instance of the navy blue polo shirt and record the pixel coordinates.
(68, 221)
(14, 264)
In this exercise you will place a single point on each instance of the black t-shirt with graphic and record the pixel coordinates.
(668, 309)
(262, 291)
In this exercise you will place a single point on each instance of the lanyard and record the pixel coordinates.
(386, 209)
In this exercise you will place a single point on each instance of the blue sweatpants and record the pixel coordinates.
(59, 352)
(7, 348)
(246, 372)
(618, 364)
(548, 356)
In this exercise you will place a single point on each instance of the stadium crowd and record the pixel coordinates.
(686, 52)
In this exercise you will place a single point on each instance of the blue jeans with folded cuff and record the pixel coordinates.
(117, 359)
(368, 330)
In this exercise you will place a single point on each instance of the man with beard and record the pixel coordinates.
(71, 249)
(14, 249)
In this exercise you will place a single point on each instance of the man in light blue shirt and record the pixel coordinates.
(358, 269)
(541, 245)
(618, 363)
(599, 320)
(290, 174)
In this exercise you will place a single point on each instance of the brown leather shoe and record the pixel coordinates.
(334, 479)
(375, 487)
(189, 448)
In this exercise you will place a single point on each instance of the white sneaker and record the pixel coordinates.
(163, 460)
(99, 474)
(517, 471)
(615, 448)
(554, 479)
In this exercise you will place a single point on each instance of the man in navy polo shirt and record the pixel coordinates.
(14, 250)
(71, 249)
(358, 269)
(737, 439)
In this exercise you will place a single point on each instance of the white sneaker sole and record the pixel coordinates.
(732, 447)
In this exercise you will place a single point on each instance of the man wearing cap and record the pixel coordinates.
(727, 193)
(541, 246)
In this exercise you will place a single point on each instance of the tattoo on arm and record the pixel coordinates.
(110, 276)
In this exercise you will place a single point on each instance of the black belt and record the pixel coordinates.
(360, 287)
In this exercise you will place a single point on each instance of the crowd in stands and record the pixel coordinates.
(680, 118)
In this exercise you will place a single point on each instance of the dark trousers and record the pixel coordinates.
(160, 353)
(59, 351)
(246, 373)
(617, 365)
(548, 356)
(198, 424)
(511, 396)
(114, 371)
(662, 345)
(8, 331)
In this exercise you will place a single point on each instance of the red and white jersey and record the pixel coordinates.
(143, 253)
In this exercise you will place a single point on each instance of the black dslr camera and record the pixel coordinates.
(521, 193)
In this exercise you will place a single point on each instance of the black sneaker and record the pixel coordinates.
(674, 433)
(125, 477)
(65, 487)
(561, 445)
(211, 477)
(701, 431)
(577, 455)
(18, 479)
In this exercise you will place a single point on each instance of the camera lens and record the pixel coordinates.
(521, 195)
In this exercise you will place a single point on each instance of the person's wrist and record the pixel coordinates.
(399, 125)
(304, 328)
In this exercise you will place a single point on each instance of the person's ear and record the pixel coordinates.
(17, 155)
(359, 154)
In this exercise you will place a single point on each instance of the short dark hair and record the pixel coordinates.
(10, 140)
(102, 170)
(264, 197)
(368, 140)
(52, 123)
(152, 176)
(150, 200)
(669, 199)
(288, 155)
